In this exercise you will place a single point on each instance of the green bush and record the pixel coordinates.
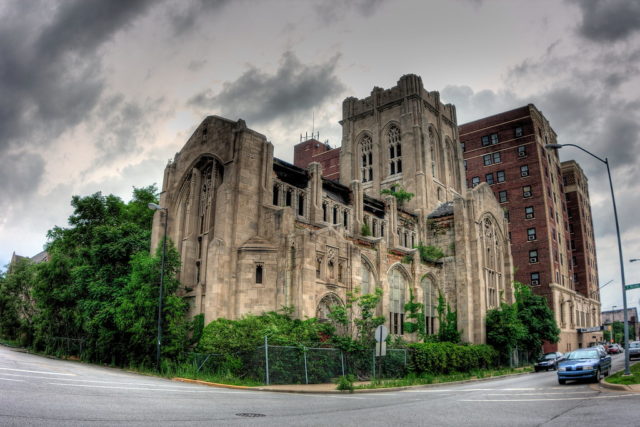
(345, 383)
(445, 357)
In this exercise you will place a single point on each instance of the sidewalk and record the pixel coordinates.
(330, 388)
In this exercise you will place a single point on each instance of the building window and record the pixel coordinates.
(276, 195)
(506, 214)
(465, 164)
(524, 170)
(395, 151)
(397, 286)
(475, 181)
(500, 176)
(526, 191)
(259, 274)
(301, 204)
(535, 279)
(528, 212)
(531, 234)
(335, 214)
(489, 178)
(345, 219)
(492, 158)
(463, 147)
(324, 212)
(485, 140)
(533, 256)
(573, 245)
(288, 198)
(518, 132)
(494, 138)
(522, 151)
(366, 156)
(502, 196)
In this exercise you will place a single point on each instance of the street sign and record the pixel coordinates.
(381, 333)
(632, 286)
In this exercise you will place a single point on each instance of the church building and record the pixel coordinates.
(256, 233)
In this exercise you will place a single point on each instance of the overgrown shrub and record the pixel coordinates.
(445, 357)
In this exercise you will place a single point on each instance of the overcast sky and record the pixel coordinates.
(97, 95)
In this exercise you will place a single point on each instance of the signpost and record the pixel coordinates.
(381, 335)
(632, 286)
(381, 347)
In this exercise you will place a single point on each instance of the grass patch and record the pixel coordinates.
(619, 378)
(413, 379)
(188, 371)
(9, 343)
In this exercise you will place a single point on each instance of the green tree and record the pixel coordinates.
(505, 331)
(399, 193)
(88, 268)
(17, 306)
(136, 309)
(356, 321)
(538, 319)
(415, 316)
(448, 331)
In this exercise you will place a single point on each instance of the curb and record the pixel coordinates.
(363, 390)
(617, 387)
(207, 383)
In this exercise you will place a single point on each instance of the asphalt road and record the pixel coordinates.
(39, 391)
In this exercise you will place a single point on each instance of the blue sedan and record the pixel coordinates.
(588, 363)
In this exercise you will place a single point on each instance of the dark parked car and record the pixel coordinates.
(634, 349)
(548, 361)
(586, 363)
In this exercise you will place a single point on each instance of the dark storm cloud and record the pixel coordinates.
(120, 124)
(183, 15)
(259, 97)
(472, 105)
(20, 174)
(606, 21)
(50, 70)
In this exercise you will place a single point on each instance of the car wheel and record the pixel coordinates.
(597, 377)
(561, 382)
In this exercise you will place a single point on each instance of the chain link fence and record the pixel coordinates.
(302, 365)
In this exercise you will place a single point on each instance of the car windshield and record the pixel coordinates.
(587, 354)
(548, 356)
(635, 344)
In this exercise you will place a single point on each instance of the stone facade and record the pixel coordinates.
(256, 233)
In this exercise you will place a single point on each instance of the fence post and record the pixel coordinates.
(306, 375)
(266, 358)
(405, 360)
(342, 361)
(374, 363)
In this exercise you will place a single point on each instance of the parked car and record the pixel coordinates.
(548, 361)
(614, 349)
(586, 363)
(634, 349)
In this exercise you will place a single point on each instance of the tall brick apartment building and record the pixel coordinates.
(507, 152)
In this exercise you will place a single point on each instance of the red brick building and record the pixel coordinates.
(312, 150)
(507, 152)
(582, 243)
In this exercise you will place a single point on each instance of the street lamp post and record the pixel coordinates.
(157, 207)
(615, 215)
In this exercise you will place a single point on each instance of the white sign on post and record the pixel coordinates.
(381, 335)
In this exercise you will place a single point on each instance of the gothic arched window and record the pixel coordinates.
(395, 151)
(430, 304)
(366, 159)
(397, 290)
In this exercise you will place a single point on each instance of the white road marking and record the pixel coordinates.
(36, 372)
(9, 379)
(542, 400)
(143, 388)
(540, 394)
